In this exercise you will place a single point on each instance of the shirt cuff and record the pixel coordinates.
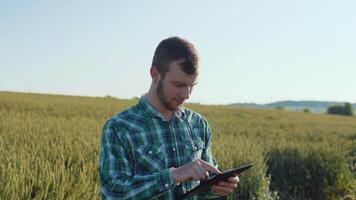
(166, 179)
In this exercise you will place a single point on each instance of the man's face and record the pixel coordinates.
(175, 87)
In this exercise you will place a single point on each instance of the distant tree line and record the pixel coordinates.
(345, 109)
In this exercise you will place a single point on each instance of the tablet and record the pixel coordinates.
(204, 185)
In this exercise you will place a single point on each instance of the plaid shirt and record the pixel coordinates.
(139, 148)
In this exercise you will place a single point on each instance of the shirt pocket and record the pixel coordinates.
(194, 149)
(150, 158)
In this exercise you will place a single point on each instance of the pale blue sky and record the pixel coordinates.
(251, 51)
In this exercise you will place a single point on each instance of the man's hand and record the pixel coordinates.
(195, 170)
(224, 188)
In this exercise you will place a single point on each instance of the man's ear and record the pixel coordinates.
(155, 74)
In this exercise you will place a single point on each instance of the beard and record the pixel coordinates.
(163, 99)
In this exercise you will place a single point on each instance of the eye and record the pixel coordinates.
(179, 85)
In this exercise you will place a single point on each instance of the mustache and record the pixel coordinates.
(180, 99)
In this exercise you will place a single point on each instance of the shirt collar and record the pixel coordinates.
(153, 112)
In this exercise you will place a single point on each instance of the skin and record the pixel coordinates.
(167, 94)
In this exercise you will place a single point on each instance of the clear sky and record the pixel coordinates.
(251, 51)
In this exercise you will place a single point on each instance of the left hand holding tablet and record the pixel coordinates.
(223, 188)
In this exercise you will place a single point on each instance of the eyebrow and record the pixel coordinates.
(177, 82)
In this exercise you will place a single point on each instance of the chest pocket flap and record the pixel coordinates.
(194, 149)
(150, 158)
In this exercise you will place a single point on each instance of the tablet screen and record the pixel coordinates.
(204, 185)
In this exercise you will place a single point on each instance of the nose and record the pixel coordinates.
(186, 92)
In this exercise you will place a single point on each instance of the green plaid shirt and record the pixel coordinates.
(139, 148)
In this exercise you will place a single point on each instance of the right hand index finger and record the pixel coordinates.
(209, 167)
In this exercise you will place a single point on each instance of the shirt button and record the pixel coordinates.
(166, 185)
(174, 149)
(150, 152)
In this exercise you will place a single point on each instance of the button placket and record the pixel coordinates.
(174, 137)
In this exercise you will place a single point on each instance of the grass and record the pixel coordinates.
(49, 148)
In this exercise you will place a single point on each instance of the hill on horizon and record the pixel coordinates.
(313, 106)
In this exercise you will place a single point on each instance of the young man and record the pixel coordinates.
(158, 148)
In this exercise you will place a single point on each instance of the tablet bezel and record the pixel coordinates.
(214, 179)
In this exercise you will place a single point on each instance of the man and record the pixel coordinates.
(158, 148)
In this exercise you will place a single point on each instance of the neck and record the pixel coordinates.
(153, 99)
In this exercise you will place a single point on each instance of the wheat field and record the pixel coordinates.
(49, 148)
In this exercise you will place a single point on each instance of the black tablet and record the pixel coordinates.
(204, 185)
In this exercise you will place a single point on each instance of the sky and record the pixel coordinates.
(250, 50)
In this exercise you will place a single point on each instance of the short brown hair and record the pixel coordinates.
(173, 49)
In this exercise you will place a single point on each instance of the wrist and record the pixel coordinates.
(175, 176)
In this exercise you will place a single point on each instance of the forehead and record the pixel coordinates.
(175, 73)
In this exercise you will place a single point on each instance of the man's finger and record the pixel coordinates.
(222, 189)
(234, 179)
(228, 184)
(199, 171)
(203, 172)
(208, 167)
